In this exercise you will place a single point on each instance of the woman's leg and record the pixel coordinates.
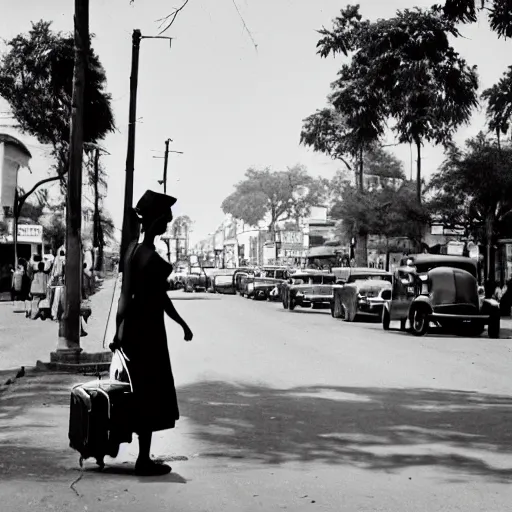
(144, 446)
(144, 465)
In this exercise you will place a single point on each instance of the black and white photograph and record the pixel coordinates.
(256, 255)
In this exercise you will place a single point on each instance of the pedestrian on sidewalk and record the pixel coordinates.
(141, 330)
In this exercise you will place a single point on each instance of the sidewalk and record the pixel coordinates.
(23, 341)
(37, 467)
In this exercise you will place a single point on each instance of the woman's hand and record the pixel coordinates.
(187, 332)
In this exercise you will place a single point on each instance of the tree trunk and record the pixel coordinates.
(489, 233)
(15, 238)
(96, 215)
(361, 170)
(418, 171)
(361, 250)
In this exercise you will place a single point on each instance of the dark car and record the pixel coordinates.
(260, 285)
(358, 291)
(240, 279)
(441, 289)
(307, 289)
(195, 280)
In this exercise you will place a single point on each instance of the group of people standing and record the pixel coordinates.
(38, 285)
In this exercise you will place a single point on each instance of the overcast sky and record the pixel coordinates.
(226, 106)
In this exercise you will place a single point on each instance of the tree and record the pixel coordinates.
(474, 188)
(36, 77)
(414, 74)
(386, 212)
(54, 229)
(380, 162)
(466, 11)
(180, 229)
(499, 104)
(274, 196)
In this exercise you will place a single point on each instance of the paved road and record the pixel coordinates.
(298, 411)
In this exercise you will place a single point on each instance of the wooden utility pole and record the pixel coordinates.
(69, 332)
(96, 217)
(130, 155)
(166, 160)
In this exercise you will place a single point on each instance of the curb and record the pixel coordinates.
(79, 368)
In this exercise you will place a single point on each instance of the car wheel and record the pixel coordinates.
(386, 320)
(493, 329)
(419, 321)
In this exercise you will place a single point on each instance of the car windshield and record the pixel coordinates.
(369, 277)
(325, 279)
(425, 267)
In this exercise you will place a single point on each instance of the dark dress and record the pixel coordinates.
(144, 341)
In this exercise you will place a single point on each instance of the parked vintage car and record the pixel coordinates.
(442, 289)
(358, 292)
(195, 280)
(240, 278)
(307, 289)
(177, 278)
(260, 285)
(224, 280)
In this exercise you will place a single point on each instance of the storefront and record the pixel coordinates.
(503, 261)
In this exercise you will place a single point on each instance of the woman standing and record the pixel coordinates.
(141, 330)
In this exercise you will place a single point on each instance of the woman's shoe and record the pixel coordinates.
(150, 468)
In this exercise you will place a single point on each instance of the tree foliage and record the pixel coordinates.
(403, 68)
(473, 189)
(181, 226)
(274, 196)
(380, 162)
(466, 11)
(326, 131)
(475, 183)
(36, 79)
(387, 212)
(499, 104)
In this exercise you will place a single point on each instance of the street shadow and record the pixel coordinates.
(376, 429)
(173, 298)
(307, 311)
(32, 446)
(127, 470)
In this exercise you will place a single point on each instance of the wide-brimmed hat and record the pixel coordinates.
(154, 205)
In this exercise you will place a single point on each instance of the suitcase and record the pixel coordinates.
(99, 419)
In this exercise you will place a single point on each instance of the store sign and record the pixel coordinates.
(455, 248)
(27, 233)
(30, 231)
(291, 237)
